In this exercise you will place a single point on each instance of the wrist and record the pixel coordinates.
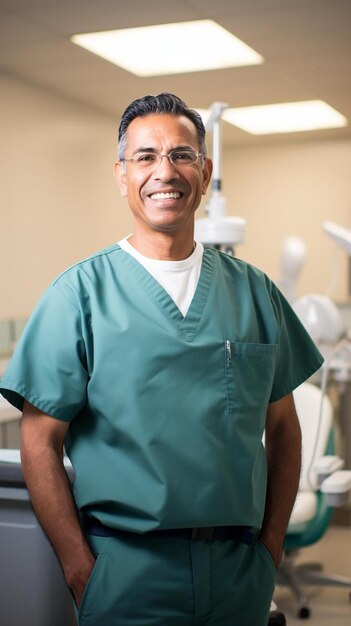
(77, 573)
(274, 547)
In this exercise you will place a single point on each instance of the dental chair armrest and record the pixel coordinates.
(326, 465)
(337, 487)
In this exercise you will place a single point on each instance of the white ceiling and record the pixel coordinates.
(306, 45)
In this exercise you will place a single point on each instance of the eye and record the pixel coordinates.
(183, 156)
(146, 157)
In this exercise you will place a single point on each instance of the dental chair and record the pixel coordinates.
(323, 485)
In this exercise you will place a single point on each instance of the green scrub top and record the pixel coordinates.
(166, 412)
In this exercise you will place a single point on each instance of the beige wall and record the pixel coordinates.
(287, 190)
(59, 200)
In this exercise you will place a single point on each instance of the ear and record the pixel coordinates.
(206, 174)
(121, 177)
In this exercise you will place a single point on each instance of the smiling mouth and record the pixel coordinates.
(170, 195)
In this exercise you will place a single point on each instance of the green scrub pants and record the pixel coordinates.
(162, 581)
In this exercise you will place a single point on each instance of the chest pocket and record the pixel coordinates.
(249, 373)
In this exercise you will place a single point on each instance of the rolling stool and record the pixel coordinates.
(276, 618)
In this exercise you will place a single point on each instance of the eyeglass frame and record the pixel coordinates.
(160, 156)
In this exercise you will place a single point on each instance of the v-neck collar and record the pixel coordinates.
(186, 324)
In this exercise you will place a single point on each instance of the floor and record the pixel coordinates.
(330, 606)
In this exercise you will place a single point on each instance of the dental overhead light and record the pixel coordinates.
(321, 318)
(320, 315)
(218, 230)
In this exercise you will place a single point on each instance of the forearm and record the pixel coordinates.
(53, 503)
(283, 452)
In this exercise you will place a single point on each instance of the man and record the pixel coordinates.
(159, 365)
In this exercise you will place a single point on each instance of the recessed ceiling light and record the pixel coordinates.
(170, 48)
(289, 117)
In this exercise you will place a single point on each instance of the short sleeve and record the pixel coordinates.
(297, 356)
(48, 367)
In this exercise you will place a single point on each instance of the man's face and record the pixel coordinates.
(163, 197)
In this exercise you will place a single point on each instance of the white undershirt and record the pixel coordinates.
(178, 278)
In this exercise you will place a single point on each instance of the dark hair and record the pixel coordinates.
(163, 103)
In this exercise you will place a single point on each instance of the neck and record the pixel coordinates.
(162, 246)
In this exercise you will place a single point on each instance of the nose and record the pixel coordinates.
(164, 168)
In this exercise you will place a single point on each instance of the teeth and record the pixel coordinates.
(165, 196)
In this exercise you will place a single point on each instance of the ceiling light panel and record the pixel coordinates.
(170, 48)
(289, 117)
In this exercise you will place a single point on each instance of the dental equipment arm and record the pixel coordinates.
(337, 488)
(217, 229)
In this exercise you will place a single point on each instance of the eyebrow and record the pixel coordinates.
(154, 151)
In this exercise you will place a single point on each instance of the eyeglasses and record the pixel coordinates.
(178, 158)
